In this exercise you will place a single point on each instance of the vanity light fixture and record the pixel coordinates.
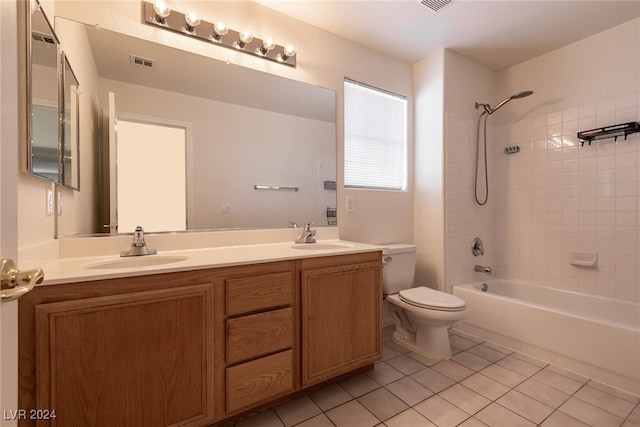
(192, 20)
(160, 15)
(162, 11)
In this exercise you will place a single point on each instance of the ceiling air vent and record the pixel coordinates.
(435, 5)
(139, 61)
(43, 38)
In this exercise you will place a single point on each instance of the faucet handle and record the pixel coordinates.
(138, 236)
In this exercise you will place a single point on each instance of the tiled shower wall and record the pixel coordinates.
(551, 198)
(464, 219)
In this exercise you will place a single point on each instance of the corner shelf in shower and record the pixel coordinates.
(614, 132)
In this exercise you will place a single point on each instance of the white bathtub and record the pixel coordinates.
(594, 336)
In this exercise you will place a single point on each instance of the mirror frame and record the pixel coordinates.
(33, 7)
(70, 164)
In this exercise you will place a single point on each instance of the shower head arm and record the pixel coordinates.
(500, 104)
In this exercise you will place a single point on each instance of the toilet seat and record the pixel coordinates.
(431, 299)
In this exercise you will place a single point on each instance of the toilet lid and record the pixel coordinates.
(432, 299)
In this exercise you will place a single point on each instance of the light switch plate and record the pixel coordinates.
(49, 210)
(351, 204)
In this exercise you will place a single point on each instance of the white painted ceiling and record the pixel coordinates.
(496, 34)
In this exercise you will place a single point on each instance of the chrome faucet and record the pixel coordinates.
(481, 269)
(138, 247)
(308, 235)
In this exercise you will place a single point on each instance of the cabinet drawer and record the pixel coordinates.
(259, 381)
(250, 294)
(255, 335)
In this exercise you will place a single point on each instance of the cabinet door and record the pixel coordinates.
(341, 320)
(138, 359)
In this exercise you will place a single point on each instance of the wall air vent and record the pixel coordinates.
(435, 5)
(43, 38)
(139, 61)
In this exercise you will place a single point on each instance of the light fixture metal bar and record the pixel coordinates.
(204, 31)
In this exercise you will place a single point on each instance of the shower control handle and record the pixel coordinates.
(476, 247)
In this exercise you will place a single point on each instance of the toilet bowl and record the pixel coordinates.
(422, 315)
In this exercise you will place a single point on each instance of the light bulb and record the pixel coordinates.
(219, 29)
(267, 44)
(192, 19)
(289, 50)
(245, 37)
(162, 11)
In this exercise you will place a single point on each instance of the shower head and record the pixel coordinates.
(518, 95)
(522, 94)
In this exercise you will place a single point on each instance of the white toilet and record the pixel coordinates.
(422, 315)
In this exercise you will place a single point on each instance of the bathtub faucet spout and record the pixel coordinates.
(481, 269)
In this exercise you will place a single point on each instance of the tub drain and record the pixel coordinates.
(484, 287)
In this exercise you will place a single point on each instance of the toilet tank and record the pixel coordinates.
(399, 262)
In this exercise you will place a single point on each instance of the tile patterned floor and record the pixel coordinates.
(482, 385)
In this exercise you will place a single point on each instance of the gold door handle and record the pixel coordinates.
(15, 283)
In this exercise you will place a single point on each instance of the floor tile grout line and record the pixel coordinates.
(636, 407)
(599, 407)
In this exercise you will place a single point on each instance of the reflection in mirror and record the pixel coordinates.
(70, 145)
(43, 126)
(244, 128)
(151, 150)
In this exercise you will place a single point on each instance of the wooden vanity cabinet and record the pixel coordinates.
(195, 348)
(128, 352)
(341, 303)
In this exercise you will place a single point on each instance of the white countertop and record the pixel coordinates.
(77, 269)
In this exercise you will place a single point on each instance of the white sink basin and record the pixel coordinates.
(137, 262)
(322, 246)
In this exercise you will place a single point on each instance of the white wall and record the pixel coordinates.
(323, 59)
(429, 208)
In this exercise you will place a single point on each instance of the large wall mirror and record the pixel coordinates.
(53, 138)
(260, 149)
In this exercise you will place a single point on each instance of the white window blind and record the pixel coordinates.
(375, 138)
